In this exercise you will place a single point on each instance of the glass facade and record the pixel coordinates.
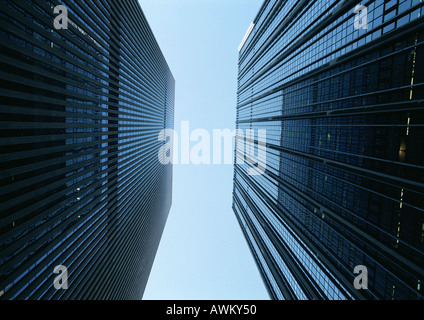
(344, 181)
(80, 115)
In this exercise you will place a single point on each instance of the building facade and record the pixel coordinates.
(85, 91)
(339, 88)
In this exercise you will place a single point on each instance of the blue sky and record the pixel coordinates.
(203, 254)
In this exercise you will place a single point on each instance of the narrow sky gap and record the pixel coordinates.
(203, 254)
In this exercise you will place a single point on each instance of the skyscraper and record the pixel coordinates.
(339, 87)
(85, 91)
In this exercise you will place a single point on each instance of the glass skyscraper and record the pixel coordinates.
(339, 87)
(85, 91)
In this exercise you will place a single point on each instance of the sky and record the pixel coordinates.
(203, 254)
